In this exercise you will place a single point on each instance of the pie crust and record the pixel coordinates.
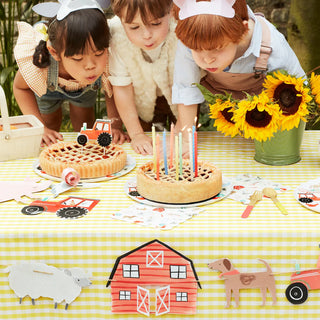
(90, 161)
(188, 189)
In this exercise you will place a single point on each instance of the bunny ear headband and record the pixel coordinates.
(63, 7)
(189, 8)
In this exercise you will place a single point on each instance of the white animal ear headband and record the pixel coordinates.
(189, 8)
(63, 7)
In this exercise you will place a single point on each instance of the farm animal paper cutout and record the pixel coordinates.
(69, 208)
(153, 279)
(235, 280)
(302, 282)
(15, 190)
(40, 280)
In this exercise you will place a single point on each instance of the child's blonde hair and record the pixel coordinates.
(209, 32)
(148, 9)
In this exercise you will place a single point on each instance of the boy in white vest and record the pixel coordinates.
(142, 53)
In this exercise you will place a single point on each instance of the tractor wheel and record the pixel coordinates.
(305, 200)
(104, 139)
(72, 212)
(32, 210)
(297, 293)
(82, 139)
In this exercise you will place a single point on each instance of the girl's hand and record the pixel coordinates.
(119, 137)
(50, 136)
(142, 144)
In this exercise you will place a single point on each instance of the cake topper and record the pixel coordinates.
(62, 8)
(101, 131)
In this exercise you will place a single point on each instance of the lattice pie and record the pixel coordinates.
(90, 161)
(187, 189)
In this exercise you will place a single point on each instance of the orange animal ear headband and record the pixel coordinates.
(63, 7)
(189, 8)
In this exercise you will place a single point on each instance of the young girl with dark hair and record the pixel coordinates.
(142, 51)
(230, 48)
(66, 60)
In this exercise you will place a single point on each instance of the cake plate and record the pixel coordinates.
(130, 189)
(130, 164)
(308, 195)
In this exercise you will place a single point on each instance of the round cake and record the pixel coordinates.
(187, 189)
(90, 161)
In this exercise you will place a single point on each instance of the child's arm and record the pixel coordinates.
(185, 121)
(28, 105)
(124, 99)
(118, 136)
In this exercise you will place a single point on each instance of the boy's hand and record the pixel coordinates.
(50, 136)
(142, 144)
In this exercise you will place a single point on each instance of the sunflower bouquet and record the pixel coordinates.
(284, 102)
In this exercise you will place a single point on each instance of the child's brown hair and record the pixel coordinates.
(208, 32)
(148, 9)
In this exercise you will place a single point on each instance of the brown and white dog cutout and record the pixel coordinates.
(235, 280)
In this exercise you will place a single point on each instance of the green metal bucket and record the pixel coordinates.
(282, 149)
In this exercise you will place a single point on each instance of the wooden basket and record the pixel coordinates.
(20, 136)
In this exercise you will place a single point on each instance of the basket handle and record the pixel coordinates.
(4, 114)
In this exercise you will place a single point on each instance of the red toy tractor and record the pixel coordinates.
(101, 132)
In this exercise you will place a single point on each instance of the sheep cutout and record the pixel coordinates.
(40, 280)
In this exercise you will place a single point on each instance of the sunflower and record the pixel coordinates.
(315, 87)
(222, 111)
(257, 117)
(291, 94)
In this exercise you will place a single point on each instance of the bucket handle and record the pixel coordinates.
(4, 114)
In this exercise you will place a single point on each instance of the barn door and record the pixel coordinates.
(143, 301)
(162, 300)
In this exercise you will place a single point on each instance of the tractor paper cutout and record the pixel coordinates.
(101, 132)
(69, 208)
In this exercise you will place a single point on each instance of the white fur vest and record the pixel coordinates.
(147, 76)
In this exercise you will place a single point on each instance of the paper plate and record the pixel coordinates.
(130, 189)
(308, 195)
(130, 164)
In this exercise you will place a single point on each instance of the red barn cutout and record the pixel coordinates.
(154, 279)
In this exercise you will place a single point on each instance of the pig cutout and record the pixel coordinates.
(10, 190)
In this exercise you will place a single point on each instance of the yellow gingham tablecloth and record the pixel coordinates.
(96, 240)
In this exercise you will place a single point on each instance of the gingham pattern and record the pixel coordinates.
(95, 241)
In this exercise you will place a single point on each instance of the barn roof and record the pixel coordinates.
(144, 245)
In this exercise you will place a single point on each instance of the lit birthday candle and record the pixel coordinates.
(164, 146)
(191, 153)
(154, 148)
(177, 157)
(180, 152)
(195, 153)
(193, 145)
(171, 144)
(158, 156)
